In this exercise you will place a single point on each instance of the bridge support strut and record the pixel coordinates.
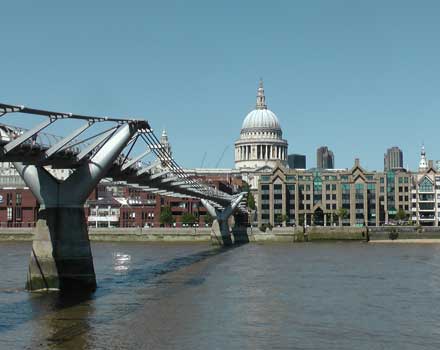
(221, 232)
(61, 257)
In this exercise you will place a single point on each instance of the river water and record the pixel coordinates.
(182, 296)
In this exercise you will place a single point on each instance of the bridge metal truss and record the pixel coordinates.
(161, 175)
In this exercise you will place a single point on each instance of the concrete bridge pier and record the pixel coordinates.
(221, 232)
(61, 257)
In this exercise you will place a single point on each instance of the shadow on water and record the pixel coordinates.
(241, 235)
(68, 315)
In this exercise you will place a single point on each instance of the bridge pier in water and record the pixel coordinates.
(221, 232)
(61, 257)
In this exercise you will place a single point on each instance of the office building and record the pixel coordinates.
(393, 159)
(296, 161)
(325, 158)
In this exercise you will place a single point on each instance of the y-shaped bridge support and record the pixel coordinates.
(61, 257)
(220, 230)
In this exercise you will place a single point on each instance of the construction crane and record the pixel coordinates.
(221, 156)
(203, 159)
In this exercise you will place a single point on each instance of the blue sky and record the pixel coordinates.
(358, 76)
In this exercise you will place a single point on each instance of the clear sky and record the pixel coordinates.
(358, 76)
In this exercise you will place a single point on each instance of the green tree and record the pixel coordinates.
(342, 213)
(245, 186)
(208, 219)
(166, 216)
(250, 201)
(188, 219)
(301, 220)
(278, 219)
(401, 215)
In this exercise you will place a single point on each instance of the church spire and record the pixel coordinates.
(261, 99)
(165, 142)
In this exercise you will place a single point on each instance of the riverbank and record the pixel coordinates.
(276, 235)
(408, 240)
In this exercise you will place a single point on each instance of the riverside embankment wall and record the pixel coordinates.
(278, 234)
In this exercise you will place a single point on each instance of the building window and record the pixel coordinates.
(9, 214)
(359, 187)
(9, 199)
(18, 213)
(426, 185)
(18, 199)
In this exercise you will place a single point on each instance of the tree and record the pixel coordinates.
(301, 220)
(208, 219)
(278, 219)
(401, 215)
(188, 219)
(166, 216)
(342, 213)
(245, 186)
(250, 201)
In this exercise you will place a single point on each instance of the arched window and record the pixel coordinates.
(425, 185)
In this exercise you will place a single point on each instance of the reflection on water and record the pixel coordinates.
(304, 296)
(121, 262)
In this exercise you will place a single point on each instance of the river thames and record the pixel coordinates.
(194, 296)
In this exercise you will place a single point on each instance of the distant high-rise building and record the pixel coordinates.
(393, 159)
(325, 158)
(296, 161)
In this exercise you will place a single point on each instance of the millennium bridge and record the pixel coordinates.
(61, 257)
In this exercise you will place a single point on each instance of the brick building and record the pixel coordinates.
(18, 207)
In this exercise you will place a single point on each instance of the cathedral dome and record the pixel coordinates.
(261, 138)
(261, 119)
